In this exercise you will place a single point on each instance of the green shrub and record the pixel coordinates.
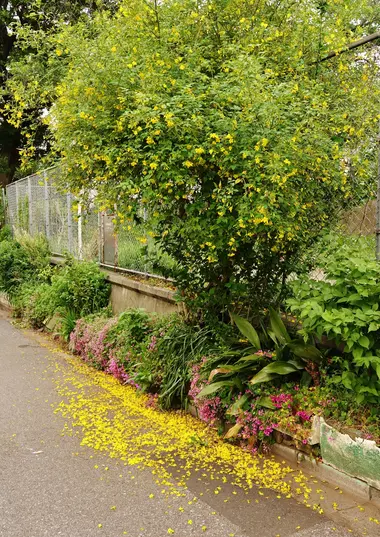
(36, 248)
(5, 233)
(15, 267)
(35, 303)
(79, 287)
(180, 345)
(345, 308)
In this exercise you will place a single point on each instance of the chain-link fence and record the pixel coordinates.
(36, 206)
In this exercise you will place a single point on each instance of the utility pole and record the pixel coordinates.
(378, 200)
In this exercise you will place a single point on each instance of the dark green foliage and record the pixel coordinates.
(179, 347)
(249, 365)
(5, 233)
(15, 266)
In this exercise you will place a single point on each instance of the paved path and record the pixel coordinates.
(51, 486)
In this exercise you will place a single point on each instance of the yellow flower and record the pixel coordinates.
(188, 163)
(113, 49)
(58, 52)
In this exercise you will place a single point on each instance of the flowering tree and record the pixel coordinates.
(219, 117)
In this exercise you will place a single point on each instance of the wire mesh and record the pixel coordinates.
(37, 206)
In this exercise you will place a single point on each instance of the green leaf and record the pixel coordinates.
(215, 386)
(266, 402)
(364, 342)
(234, 409)
(306, 351)
(250, 358)
(373, 327)
(275, 368)
(278, 327)
(247, 330)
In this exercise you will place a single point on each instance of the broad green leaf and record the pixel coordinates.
(266, 402)
(215, 386)
(234, 431)
(234, 409)
(357, 352)
(364, 342)
(251, 358)
(373, 327)
(275, 368)
(306, 351)
(278, 327)
(247, 330)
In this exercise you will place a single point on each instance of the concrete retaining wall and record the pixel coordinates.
(127, 293)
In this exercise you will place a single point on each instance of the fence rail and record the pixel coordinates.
(35, 205)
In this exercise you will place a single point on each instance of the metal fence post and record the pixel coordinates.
(101, 237)
(47, 208)
(69, 224)
(16, 219)
(30, 206)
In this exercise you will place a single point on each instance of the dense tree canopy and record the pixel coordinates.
(218, 116)
(17, 19)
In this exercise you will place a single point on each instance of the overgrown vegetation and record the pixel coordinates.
(218, 119)
(41, 293)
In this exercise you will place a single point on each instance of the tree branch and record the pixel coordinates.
(351, 46)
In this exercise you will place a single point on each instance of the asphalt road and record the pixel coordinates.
(49, 485)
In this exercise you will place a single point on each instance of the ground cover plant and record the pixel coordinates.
(177, 363)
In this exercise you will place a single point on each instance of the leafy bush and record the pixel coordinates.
(34, 302)
(79, 287)
(5, 233)
(345, 308)
(15, 266)
(37, 249)
(155, 354)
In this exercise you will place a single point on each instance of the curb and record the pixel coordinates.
(353, 486)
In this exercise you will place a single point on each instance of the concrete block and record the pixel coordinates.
(358, 458)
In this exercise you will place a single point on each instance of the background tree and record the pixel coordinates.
(17, 20)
